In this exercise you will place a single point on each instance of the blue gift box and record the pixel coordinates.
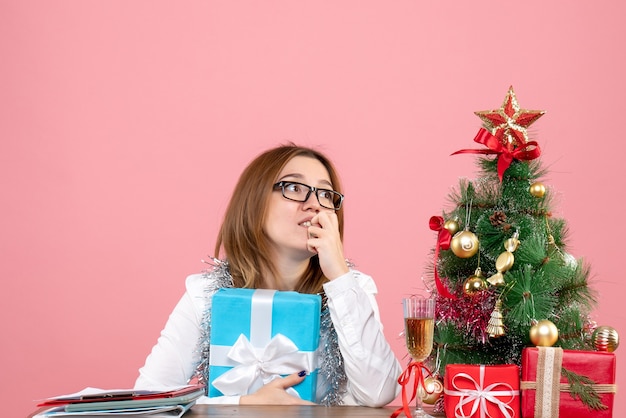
(259, 334)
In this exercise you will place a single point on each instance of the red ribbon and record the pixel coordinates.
(404, 380)
(506, 154)
(443, 242)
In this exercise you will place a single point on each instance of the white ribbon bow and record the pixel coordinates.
(258, 366)
(480, 395)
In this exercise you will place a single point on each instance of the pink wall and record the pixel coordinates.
(124, 125)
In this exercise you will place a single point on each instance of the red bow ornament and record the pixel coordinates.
(443, 242)
(506, 153)
(404, 379)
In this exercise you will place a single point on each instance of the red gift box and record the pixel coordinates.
(477, 391)
(546, 390)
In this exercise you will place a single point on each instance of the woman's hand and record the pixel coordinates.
(275, 393)
(324, 240)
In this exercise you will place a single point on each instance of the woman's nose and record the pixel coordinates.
(312, 203)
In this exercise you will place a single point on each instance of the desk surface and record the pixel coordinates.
(222, 411)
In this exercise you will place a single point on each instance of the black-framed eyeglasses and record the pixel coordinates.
(301, 192)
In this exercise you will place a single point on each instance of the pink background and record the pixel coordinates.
(125, 124)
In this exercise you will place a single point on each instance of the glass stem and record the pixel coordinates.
(418, 397)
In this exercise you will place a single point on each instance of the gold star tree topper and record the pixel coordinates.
(509, 123)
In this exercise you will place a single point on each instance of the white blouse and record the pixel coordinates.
(370, 365)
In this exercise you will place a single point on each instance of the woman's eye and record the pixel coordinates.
(292, 187)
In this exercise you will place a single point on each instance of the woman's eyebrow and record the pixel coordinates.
(296, 175)
(300, 177)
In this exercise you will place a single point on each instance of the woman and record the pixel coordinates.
(283, 230)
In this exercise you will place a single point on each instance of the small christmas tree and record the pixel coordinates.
(501, 273)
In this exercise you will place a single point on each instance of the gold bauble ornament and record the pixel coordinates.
(464, 244)
(537, 189)
(544, 333)
(474, 284)
(452, 226)
(605, 338)
(431, 391)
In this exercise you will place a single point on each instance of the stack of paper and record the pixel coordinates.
(91, 402)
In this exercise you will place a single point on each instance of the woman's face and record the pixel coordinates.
(287, 221)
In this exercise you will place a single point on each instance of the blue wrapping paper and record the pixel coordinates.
(250, 323)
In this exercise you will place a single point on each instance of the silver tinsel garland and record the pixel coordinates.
(331, 373)
(217, 277)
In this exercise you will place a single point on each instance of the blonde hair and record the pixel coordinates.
(241, 236)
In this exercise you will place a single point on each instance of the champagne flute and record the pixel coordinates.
(419, 327)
